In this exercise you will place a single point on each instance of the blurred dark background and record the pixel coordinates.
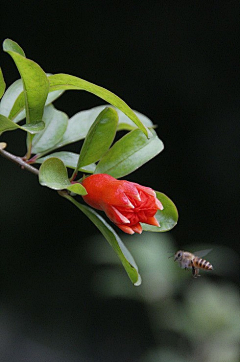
(177, 63)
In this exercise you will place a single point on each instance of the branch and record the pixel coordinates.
(19, 161)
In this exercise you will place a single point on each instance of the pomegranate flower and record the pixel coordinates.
(125, 203)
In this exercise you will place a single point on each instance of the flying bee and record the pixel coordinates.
(188, 260)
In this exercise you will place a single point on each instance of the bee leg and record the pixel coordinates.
(195, 272)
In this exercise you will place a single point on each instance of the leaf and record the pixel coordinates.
(167, 217)
(8, 125)
(80, 123)
(10, 45)
(125, 123)
(99, 137)
(78, 127)
(129, 153)
(113, 239)
(69, 159)
(10, 97)
(55, 126)
(35, 82)
(53, 174)
(2, 84)
(33, 128)
(65, 81)
(13, 103)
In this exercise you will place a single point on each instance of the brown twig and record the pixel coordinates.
(19, 161)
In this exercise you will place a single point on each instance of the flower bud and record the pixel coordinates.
(127, 204)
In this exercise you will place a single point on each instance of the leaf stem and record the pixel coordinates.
(19, 161)
(74, 175)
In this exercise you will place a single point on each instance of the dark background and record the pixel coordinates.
(176, 62)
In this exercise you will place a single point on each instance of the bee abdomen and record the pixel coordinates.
(202, 263)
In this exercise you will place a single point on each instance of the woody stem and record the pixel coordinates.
(19, 161)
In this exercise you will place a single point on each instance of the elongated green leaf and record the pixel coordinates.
(78, 126)
(18, 112)
(113, 239)
(8, 125)
(10, 97)
(33, 128)
(167, 217)
(35, 82)
(55, 126)
(125, 123)
(129, 153)
(99, 137)
(53, 174)
(2, 84)
(10, 45)
(80, 123)
(70, 160)
(65, 81)
(12, 104)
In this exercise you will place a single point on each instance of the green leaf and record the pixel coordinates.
(9, 99)
(10, 45)
(2, 84)
(99, 137)
(126, 124)
(53, 174)
(129, 153)
(33, 128)
(80, 123)
(65, 81)
(8, 125)
(78, 127)
(13, 103)
(70, 160)
(55, 126)
(167, 217)
(35, 82)
(113, 239)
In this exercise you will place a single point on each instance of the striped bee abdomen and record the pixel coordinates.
(202, 264)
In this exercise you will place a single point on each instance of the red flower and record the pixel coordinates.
(125, 203)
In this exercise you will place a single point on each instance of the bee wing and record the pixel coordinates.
(202, 253)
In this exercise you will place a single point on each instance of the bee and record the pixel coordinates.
(188, 260)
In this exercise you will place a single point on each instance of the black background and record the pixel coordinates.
(176, 62)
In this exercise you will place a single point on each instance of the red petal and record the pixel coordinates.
(145, 189)
(131, 190)
(159, 204)
(137, 228)
(116, 216)
(126, 229)
(152, 221)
